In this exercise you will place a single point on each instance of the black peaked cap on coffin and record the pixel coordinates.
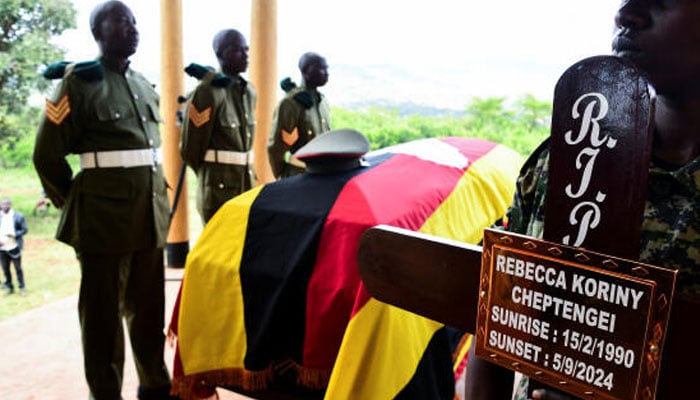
(334, 151)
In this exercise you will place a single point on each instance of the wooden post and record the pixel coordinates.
(263, 76)
(172, 86)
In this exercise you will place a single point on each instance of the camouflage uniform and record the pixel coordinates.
(114, 214)
(217, 138)
(301, 108)
(670, 235)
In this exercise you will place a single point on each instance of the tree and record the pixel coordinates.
(520, 125)
(26, 30)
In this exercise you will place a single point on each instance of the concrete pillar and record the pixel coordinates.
(263, 76)
(172, 86)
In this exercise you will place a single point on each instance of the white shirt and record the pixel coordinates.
(7, 231)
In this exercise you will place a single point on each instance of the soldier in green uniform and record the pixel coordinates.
(115, 209)
(661, 38)
(219, 126)
(300, 116)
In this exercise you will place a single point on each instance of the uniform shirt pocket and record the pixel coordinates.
(154, 113)
(112, 113)
(230, 131)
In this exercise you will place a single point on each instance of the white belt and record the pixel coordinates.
(121, 158)
(229, 157)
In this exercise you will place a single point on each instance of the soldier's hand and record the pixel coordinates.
(545, 394)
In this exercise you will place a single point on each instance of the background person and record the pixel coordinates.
(13, 227)
(300, 116)
(661, 38)
(115, 210)
(219, 127)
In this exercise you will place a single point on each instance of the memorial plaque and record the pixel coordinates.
(584, 322)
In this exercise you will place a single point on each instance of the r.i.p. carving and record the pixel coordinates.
(586, 214)
(592, 152)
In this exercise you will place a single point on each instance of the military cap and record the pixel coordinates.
(334, 151)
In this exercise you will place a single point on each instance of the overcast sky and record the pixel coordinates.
(504, 47)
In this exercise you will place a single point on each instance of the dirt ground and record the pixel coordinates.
(42, 357)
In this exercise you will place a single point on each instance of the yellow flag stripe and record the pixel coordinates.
(481, 196)
(392, 342)
(385, 333)
(213, 267)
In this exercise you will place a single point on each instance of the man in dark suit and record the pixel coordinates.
(115, 209)
(12, 230)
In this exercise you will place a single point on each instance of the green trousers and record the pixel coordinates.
(123, 288)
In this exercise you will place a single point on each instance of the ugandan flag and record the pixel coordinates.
(272, 291)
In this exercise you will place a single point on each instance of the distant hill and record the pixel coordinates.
(403, 108)
(441, 90)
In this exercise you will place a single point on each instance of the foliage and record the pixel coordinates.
(520, 126)
(26, 29)
(16, 150)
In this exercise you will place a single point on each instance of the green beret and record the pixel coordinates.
(197, 70)
(55, 70)
(305, 99)
(287, 84)
(89, 71)
(221, 80)
(200, 71)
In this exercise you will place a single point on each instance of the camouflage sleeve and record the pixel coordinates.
(59, 130)
(526, 214)
(197, 126)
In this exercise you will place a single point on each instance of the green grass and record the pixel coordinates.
(51, 270)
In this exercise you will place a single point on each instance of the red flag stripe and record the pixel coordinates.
(393, 193)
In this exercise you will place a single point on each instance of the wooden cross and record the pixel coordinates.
(600, 148)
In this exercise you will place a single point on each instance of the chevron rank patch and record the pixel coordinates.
(57, 112)
(289, 138)
(199, 118)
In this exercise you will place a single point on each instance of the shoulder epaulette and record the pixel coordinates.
(305, 99)
(201, 71)
(221, 80)
(89, 71)
(55, 70)
(287, 84)
(197, 70)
